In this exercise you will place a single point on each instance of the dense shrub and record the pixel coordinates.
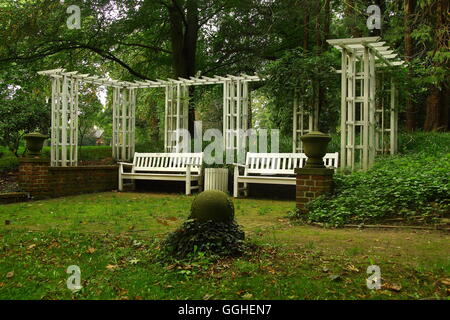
(432, 143)
(214, 238)
(8, 163)
(396, 187)
(94, 152)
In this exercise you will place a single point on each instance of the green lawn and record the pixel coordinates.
(113, 238)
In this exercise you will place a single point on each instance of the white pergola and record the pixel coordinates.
(368, 126)
(368, 122)
(65, 111)
(236, 99)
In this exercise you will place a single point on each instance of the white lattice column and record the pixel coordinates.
(176, 117)
(350, 122)
(235, 113)
(229, 120)
(393, 118)
(64, 121)
(304, 122)
(372, 108)
(124, 108)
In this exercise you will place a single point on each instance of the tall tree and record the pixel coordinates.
(408, 24)
(437, 108)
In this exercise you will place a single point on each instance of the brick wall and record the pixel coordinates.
(13, 197)
(33, 177)
(65, 181)
(42, 181)
(312, 183)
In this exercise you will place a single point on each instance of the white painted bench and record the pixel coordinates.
(274, 168)
(164, 166)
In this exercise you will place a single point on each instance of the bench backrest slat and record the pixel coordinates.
(282, 163)
(166, 162)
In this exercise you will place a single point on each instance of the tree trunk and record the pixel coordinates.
(433, 110)
(437, 112)
(323, 22)
(411, 111)
(349, 13)
(184, 25)
(306, 31)
(326, 26)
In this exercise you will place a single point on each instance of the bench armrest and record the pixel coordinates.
(125, 164)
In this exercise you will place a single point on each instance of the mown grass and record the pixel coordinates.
(114, 238)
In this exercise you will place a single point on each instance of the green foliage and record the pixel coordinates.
(302, 74)
(212, 205)
(23, 108)
(431, 143)
(8, 163)
(94, 152)
(396, 187)
(214, 238)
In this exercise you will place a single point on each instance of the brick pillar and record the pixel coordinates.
(312, 183)
(34, 177)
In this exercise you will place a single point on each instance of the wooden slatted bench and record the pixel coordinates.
(165, 166)
(274, 168)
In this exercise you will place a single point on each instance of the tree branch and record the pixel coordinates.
(154, 48)
(99, 51)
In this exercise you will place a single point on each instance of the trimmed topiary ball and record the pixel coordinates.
(212, 205)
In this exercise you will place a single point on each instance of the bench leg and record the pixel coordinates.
(236, 183)
(200, 184)
(188, 186)
(120, 181)
(246, 189)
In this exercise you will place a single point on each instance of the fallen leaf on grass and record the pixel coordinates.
(134, 261)
(352, 268)
(54, 244)
(392, 286)
(445, 282)
(90, 250)
(247, 296)
(112, 266)
(207, 296)
(161, 221)
(10, 274)
(31, 246)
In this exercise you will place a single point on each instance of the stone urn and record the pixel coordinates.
(34, 143)
(315, 147)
